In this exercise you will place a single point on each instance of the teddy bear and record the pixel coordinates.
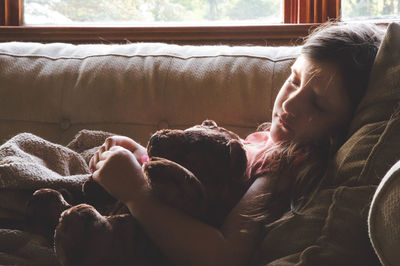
(199, 170)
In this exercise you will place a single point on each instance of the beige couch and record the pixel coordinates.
(55, 90)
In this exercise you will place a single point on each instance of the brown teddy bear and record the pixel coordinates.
(200, 170)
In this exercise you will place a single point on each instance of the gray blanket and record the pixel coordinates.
(27, 163)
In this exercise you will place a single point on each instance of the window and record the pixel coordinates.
(152, 12)
(370, 9)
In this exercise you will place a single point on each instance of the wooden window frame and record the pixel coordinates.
(11, 12)
(300, 16)
(311, 11)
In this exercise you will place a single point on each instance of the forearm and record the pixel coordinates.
(183, 239)
(187, 241)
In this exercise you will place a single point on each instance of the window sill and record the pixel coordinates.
(280, 34)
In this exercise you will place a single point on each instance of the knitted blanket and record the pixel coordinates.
(27, 163)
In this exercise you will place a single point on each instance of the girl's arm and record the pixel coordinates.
(186, 241)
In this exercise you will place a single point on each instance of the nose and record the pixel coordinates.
(294, 103)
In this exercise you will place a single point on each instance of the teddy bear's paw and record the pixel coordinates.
(176, 186)
(99, 198)
(43, 211)
(83, 237)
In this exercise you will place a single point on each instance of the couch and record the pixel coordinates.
(55, 90)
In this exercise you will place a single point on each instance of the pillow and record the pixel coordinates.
(333, 229)
(373, 144)
(383, 92)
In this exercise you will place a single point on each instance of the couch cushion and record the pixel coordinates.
(54, 90)
(330, 231)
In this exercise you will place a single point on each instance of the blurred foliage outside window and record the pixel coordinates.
(150, 12)
(370, 9)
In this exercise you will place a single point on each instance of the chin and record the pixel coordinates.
(277, 135)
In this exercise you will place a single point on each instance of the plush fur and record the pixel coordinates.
(200, 170)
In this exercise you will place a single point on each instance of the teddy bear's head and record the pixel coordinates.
(214, 155)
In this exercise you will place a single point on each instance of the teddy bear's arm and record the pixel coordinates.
(176, 186)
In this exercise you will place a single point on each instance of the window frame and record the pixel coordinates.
(300, 16)
(257, 35)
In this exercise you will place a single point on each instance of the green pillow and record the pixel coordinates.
(373, 145)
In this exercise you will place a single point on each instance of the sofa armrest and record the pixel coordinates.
(384, 218)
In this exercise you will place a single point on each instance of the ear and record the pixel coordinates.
(209, 123)
(238, 157)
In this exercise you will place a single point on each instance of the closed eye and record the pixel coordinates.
(294, 81)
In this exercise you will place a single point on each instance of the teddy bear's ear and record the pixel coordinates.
(209, 123)
(238, 157)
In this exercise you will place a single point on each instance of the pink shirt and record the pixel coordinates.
(254, 144)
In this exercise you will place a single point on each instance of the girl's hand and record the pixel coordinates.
(138, 150)
(119, 172)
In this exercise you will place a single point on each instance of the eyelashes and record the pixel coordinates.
(294, 82)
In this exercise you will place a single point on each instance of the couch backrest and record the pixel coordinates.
(54, 90)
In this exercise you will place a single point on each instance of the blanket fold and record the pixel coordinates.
(27, 163)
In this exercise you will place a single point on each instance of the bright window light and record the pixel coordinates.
(152, 12)
(370, 9)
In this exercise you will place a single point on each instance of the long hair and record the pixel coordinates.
(296, 171)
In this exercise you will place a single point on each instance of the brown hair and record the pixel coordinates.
(352, 47)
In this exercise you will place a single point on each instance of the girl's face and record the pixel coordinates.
(312, 105)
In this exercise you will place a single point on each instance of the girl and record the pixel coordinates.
(310, 117)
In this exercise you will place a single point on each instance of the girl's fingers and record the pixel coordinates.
(92, 164)
(101, 157)
(104, 155)
(110, 142)
(122, 141)
(116, 148)
(95, 175)
(97, 156)
(102, 148)
(99, 165)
